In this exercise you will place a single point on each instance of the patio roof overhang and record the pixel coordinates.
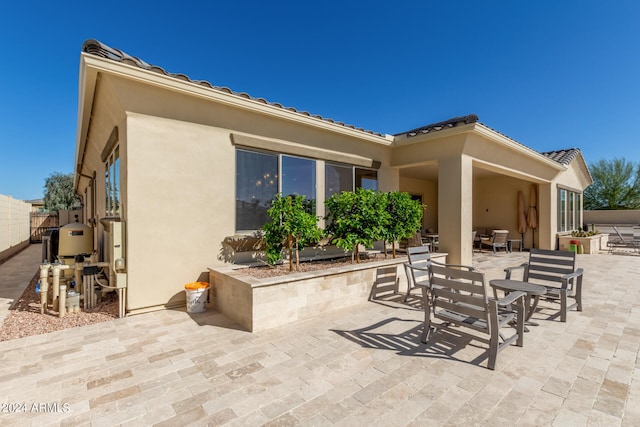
(490, 150)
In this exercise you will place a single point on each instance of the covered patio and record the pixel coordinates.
(469, 176)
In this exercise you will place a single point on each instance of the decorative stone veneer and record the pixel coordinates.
(259, 304)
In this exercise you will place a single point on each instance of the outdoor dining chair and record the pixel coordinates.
(556, 271)
(458, 297)
(420, 256)
(499, 239)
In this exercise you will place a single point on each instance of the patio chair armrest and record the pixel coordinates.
(573, 275)
(510, 270)
(468, 267)
(511, 298)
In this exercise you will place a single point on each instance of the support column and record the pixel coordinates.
(547, 216)
(455, 208)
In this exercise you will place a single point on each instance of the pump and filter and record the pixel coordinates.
(74, 245)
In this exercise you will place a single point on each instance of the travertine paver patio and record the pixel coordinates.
(359, 366)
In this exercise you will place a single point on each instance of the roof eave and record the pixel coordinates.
(486, 132)
(516, 146)
(86, 91)
(230, 99)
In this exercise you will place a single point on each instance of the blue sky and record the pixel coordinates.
(549, 74)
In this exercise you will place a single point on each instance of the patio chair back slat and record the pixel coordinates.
(468, 310)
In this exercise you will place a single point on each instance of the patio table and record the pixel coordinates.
(531, 290)
(431, 239)
(512, 241)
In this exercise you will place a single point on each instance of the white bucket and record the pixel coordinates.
(197, 300)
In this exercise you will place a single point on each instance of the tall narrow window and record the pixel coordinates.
(112, 184)
(256, 186)
(578, 210)
(562, 210)
(569, 210)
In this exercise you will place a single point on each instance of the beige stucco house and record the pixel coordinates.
(190, 168)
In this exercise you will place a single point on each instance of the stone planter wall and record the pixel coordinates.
(259, 304)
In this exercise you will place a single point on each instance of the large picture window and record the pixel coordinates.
(258, 180)
(260, 175)
(112, 184)
(569, 210)
(256, 186)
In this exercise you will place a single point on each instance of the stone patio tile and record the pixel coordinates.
(612, 397)
(282, 405)
(566, 418)
(545, 401)
(342, 409)
(600, 419)
(533, 417)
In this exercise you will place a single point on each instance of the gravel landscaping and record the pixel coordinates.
(24, 317)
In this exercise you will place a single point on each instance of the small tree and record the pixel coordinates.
(59, 192)
(404, 217)
(616, 185)
(291, 227)
(355, 218)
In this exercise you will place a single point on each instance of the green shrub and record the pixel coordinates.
(356, 218)
(292, 227)
(404, 217)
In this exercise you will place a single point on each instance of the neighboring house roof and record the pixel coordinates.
(94, 47)
(36, 202)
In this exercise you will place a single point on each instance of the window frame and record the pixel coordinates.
(279, 176)
(318, 177)
(569, 211)
(112, 184)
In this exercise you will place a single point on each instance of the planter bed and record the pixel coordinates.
(259, 304)
(591, 244)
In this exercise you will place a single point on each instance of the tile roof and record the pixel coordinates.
(445, 124)
(94, 47)
(562, 156)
